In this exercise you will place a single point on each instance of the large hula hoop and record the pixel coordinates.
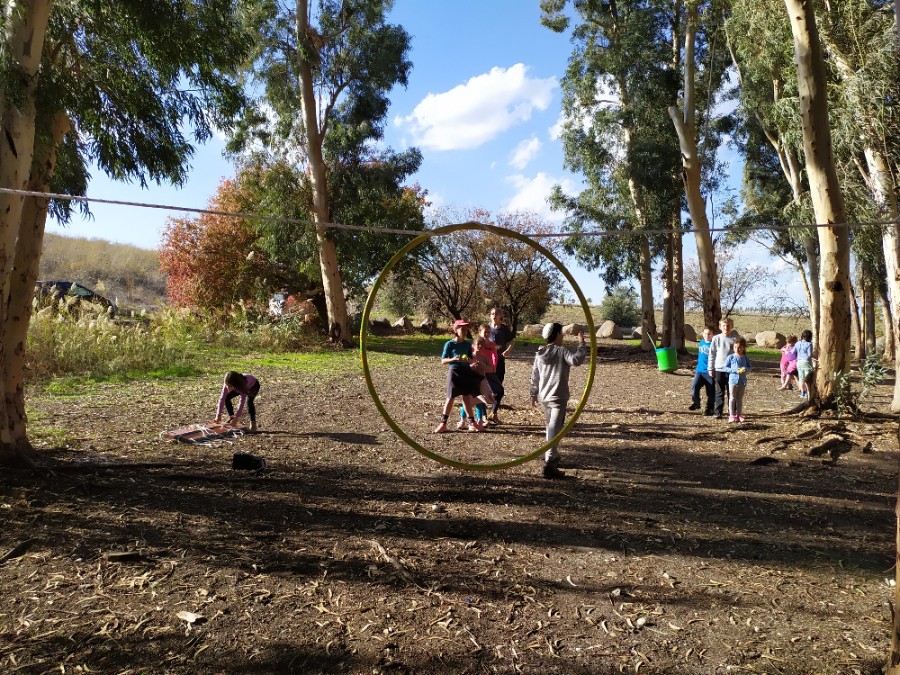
(370, 301)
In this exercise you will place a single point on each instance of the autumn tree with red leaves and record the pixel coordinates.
(212, 261)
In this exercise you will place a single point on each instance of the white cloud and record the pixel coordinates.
(532, 193)
(524, 152)
(475, 112)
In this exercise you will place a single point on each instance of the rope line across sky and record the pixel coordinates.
(415, 233)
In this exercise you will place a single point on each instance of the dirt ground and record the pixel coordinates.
(678, 543)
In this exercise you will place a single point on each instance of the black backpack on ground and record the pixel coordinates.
(244, 461)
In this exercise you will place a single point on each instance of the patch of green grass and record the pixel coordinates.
(77, 385)
(329, 362)
(40, 429)
(417, 344)
(167, 372)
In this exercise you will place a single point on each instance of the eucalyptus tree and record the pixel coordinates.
(120, 84)
(828, 202)
(325, 68)
(617, 86)
(760, 43)
(702, 57)
(862, 51)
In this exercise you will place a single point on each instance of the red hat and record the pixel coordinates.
(461, 323)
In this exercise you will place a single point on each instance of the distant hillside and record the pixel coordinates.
(127, 275)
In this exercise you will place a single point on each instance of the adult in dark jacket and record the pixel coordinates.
(504, 337)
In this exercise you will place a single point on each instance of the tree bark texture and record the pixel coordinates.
(893, 662)
(884, 192)
(336, 305)
(685, 126)
(648, 312)
(667, 309)
(25, 25)
(677, 285)
(828, 203)
(27, 263)
(868, 314)
(856, 332)
(814, 297)
(887, 321)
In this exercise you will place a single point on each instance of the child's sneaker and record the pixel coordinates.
(441, 428)
(463, 424)
(740, 418)
(475, 426)
(732, 418)
(803, 394)
(494, 419)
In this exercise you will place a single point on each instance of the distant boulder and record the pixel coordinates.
(770, 339)
(749, 338)
(689, 333)
(573, 329)
(428, 326)
(402, 323)
(533, 330)
(608, 329)
(381, 322)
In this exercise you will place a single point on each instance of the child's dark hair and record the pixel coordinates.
(741, 342)
(806, 335)
(792, 339)
(234, 379)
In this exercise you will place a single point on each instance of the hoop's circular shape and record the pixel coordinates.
(370, 301)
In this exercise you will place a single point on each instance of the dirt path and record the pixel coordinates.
(681, 544)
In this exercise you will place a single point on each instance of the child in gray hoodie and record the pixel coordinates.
(550, 386)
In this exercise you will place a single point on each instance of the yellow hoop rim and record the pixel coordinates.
(367, 375)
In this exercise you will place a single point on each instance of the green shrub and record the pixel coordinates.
(621, 307)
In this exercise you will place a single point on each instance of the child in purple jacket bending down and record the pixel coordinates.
(247, 387)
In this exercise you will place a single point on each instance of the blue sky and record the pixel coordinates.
(482, 104)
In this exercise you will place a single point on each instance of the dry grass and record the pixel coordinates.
(127, 275)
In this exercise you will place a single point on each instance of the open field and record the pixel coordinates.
(679, 543)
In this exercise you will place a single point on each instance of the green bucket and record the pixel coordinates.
(667, 358)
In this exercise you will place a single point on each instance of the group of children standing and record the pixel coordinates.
(722, 367)
(474, 374)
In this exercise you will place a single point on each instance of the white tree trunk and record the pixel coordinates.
(828, 202)
(25, 25)
(887, 319)
(684, 121)
(335, 303)
(885, 194)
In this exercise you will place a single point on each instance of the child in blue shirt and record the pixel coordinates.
(702, 378)
(737, 366)
(804, 351)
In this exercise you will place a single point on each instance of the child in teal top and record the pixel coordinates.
(737, 366)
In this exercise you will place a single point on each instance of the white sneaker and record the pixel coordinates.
(463, 424)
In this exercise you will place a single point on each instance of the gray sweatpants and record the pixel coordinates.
(555, 414)
(736, 399)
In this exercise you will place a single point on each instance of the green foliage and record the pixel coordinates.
(356, 57)
(135, 77)
(849, 401)
(621, 307)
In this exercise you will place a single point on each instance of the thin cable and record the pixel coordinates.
(416, 233)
